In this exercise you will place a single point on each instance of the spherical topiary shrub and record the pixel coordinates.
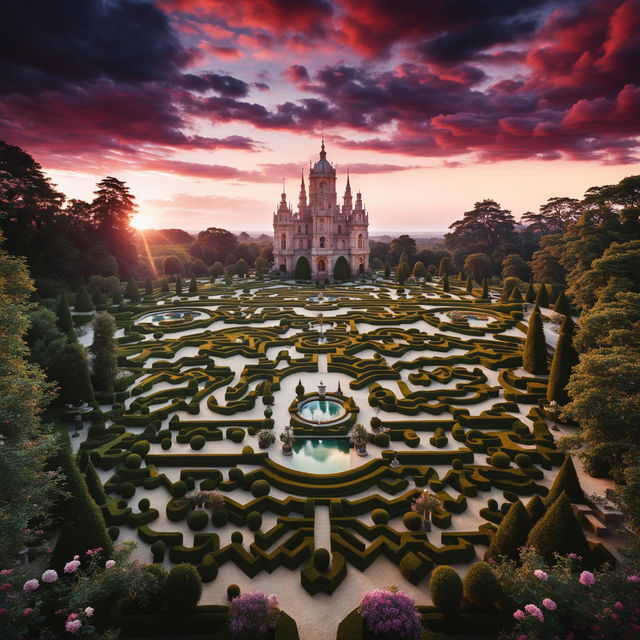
(523, 460)
(197, 442)
(247, 451)
(219, 517)
(236, 474)
(233, 591)
(114, 532)
(127, 489)
(456, 464)
(260, 488)
(197, 520)
(254, 520)
(158, 549)
(144, 504)
(375, 423)
(381, 440)
(141, 447)
(500, 460)
(412, 521)
(481, 587)
(182, 589)
(236, 435)
(380, 516)
(445, 587)
(321, 559)
(209, 484)
(179, 489)
(165, 443)
(237, 537)
(492, 504)
(133, 461)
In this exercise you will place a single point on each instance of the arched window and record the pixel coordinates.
(323, 241)
(321, 265)
(283, 241)
(339, 228)
(360, 241)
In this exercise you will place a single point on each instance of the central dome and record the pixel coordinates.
(323, 166)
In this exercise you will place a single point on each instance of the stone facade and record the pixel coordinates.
(321, 231)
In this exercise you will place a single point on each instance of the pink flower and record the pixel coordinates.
(27, 611)
(72, 616)
(49, 576)
(633, 578)
(30, 585)
(547, 603)
(522, 636)
(76, 557)
(6, 572)
(71, 567)
(587, 578)
(619, 606)
(5, 586)
(73, 626)
(518, 614)
(109, 564)
(541, 575)
(88, 611)
(534, 611)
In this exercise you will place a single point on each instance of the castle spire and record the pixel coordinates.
(302, 198)
(347, 200)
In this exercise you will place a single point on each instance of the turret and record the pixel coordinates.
(359, 206)
(347, 201)
(302, 198)
(283, 209)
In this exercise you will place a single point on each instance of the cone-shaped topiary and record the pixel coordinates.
(94, 484)
(419, 270)
(558, 531)
(562, 304)
(182, 589)
(542, 298)
(530, 293)
(65, 321)
(511, 534)
(193, 285)
(485, 289)
(445, 587)
(83, 300)
(534, 358)
(179, 286)
(566, 482)
(97, 296)
(131, 291)
(148, 287)
(116, 298)
(71, 370)
(568, 326)
(299, 389)
(469, 284)
(508, 286)
(387, 269)
(535, 508)
(164, 286)
(564, 359)
(515, 296)
(445, 283)
(481, 586)
(303, 269)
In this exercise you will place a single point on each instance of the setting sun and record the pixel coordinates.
(141, 220)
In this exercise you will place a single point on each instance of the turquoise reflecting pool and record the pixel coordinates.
(320, 455)
(319, 411)
(158, 317)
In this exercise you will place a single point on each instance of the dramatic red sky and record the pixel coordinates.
(202, 106)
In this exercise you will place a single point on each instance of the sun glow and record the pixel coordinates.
(141, 220)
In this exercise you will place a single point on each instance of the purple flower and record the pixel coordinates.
(49, 576)
(72, 567)
(541, 575)
(547, 603)
(518, 614)
(31, 585)
(534, 611)
(72, 626)
(587, 578)
(391, 612)
(633, 578)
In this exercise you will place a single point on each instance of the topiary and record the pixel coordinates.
(219, 517)
(260, 488)
(165, 443)
(375, 422)
(457, 464)
(535, 508)
(141, 447)
(380, 516)
(558, 531)
(133, 461)
(179, 489)
(114, 532)
(197, 520)
(381, 440)
(534, 357)
(233, 591)
(127, 489)
(481, 587)
(182, 589)
(209, 484)
(492, 504)
(254, 520)
(236, 435)
(144, 504)
(321, 559)
(564, 359)
(158, 549)
(446, 589)
(542, 297)
(237, 537)
(412, 521)
(236, 474)
(500, 460)
(197, 442)
(523, 460)
(566, 482)
(411, 439)
(511, 534)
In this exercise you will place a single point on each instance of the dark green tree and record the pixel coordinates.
(514, 266)
(341, 270)
(103, 352)
(530, 294)
(535, 509)
(485, 290)
(71, 370)
(515, 296)
(217, 269)
(193, 285)
(131, 291)
(419, 270)
(542, 297)
(148, 287)
(83, 300)
(565, 358)
(566, 483)
(179, 286)
(387, 269)
(303, 269)
(65, 321)
(534, 357)
(511, 534)
(116, 299)
(469, 284)
(445, 265)
(562, 304)
(445, 283)
(172, 266)
(242, 268)
(479, 265)
(214, 244)
(98, 298)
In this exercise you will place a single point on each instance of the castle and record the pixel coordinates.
(322, 240)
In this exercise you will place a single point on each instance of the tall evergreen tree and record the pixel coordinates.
(98, 298)
(511, 534)
(469, 284)
(535, 508)
(71, 370)
(65, 321)
(116, 298)
(387, 269)
(485, 290)
(562, 304)
(566, 483)
(542, 298)
(445, 283)
(131, 291)
(530, 294)
(148, 287)
(565, 358)
(83, 301)
(515, 296)
(179, 285)
(193, 285)
(103, 352)
(534, 357)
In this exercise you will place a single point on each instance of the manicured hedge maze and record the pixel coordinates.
(458, 416)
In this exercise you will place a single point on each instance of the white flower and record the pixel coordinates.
(88, 611)
(49, 576)
(109, 564)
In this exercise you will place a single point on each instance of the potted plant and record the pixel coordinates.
(359, 439)
(253, 616)
(265, 438)
(287, 438)
(424, 505)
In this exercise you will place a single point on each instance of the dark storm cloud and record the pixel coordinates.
(223, 84)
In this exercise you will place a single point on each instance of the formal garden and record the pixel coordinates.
(358, 449)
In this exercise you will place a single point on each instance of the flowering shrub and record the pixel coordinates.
(391, 612)
(53, 604)
(564, 602)
(253, 612)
